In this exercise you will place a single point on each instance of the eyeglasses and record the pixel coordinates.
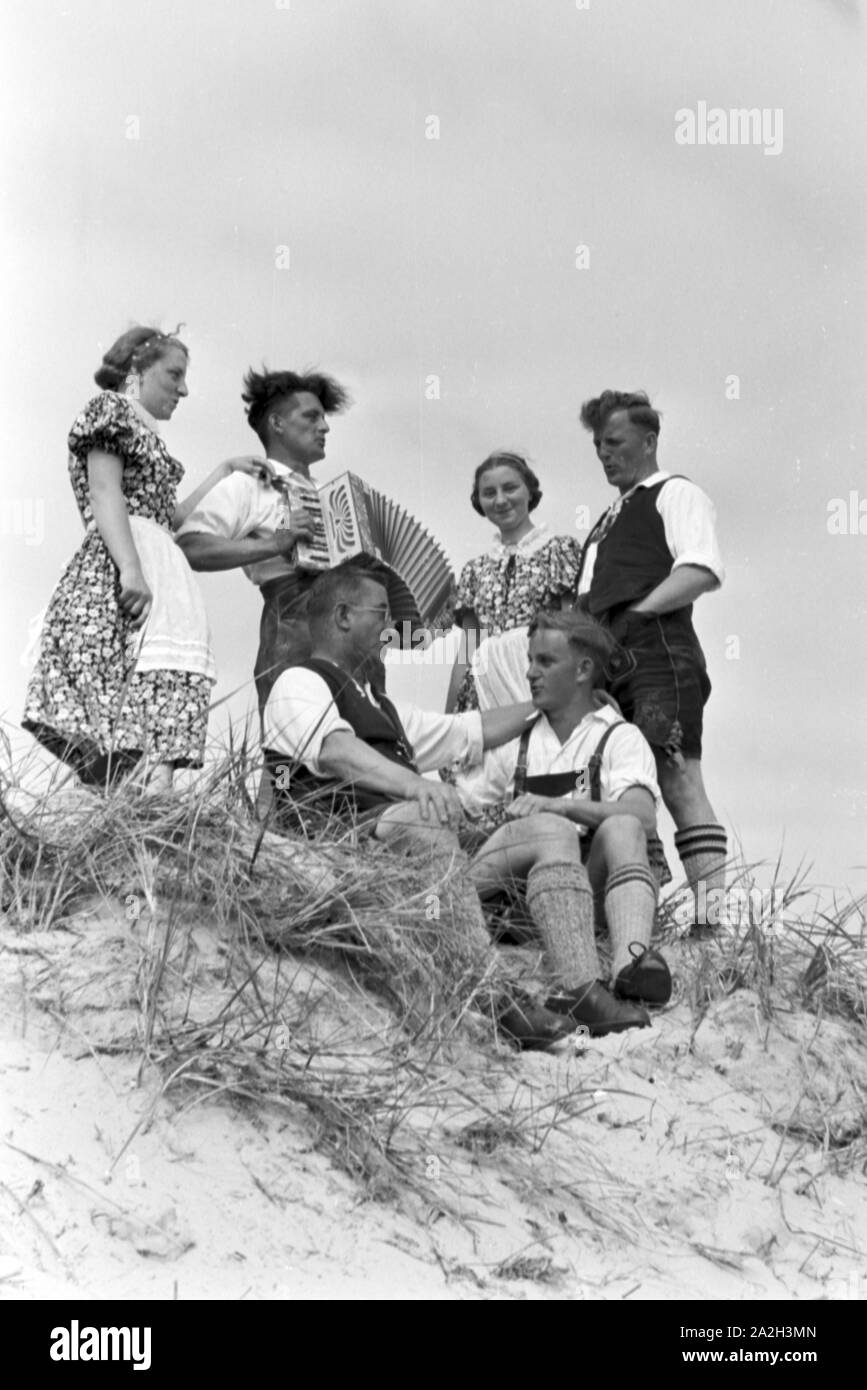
(366, 608)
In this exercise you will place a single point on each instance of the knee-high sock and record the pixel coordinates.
(561, 905)
(703, 851)
(630, 907)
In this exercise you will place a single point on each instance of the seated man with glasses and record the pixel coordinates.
(334, 742)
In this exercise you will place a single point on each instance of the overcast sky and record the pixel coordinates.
(161, 157)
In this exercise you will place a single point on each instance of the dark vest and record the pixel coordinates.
(378, 726)
(633, 556)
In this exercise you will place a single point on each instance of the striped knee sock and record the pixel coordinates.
(561, 905)
(630, 907)
(703, 850)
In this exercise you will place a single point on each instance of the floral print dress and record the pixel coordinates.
(102, 693)
(504, 588)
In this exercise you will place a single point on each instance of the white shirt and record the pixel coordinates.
(241, 507)
(689, 518)
(300, 714)
(627, 761)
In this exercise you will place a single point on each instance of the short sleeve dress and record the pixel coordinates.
(504, 588)
(103, 694)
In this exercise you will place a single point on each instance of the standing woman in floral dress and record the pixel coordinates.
(525, 569)
(125, 668)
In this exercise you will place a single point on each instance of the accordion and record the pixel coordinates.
(351, 519)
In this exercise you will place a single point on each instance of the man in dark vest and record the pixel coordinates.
(334, 742)
(581, 793)
(646, 561)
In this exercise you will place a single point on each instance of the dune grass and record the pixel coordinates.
(330, 980)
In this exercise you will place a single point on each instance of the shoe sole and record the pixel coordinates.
(602, 1030)
(649, 998)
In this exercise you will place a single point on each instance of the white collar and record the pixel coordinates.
(604, 713)
(144, 415)
(652, 480)
(527, 545)
(291, 472)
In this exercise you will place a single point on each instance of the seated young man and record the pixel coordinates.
(579, 823)
(330, 730)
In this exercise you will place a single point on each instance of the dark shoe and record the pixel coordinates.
(646, 977)
(594, 1010)
(530, 1025)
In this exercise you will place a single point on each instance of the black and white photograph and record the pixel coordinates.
(433, 762)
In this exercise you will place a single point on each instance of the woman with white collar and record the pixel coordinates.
(125, 668)
(499, 592)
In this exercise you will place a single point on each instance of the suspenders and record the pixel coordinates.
(561, 783)
(565, 780)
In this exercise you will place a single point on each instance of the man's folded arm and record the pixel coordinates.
(637, 801)
(680, 588)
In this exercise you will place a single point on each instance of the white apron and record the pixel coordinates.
(175, 636)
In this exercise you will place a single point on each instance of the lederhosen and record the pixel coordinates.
(562, 783)
(302, 801)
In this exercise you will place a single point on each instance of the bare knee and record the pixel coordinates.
(551, 837)
(623, 833)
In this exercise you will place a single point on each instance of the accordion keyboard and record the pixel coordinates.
(300, 494)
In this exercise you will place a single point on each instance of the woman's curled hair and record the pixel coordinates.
(135, 350)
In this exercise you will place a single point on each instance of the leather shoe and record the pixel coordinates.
(595, 1011)
(646, 977)
(530, 1025)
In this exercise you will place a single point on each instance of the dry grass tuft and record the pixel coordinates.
(329, 982)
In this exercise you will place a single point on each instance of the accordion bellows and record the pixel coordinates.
(354, 519)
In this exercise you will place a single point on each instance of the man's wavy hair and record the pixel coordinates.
(264, 389)
(584, 635)
(595, 413)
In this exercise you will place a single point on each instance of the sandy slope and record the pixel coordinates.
(671, 1175)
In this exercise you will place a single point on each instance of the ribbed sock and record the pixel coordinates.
(561, 905)
(630, 907)
(703, 850)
